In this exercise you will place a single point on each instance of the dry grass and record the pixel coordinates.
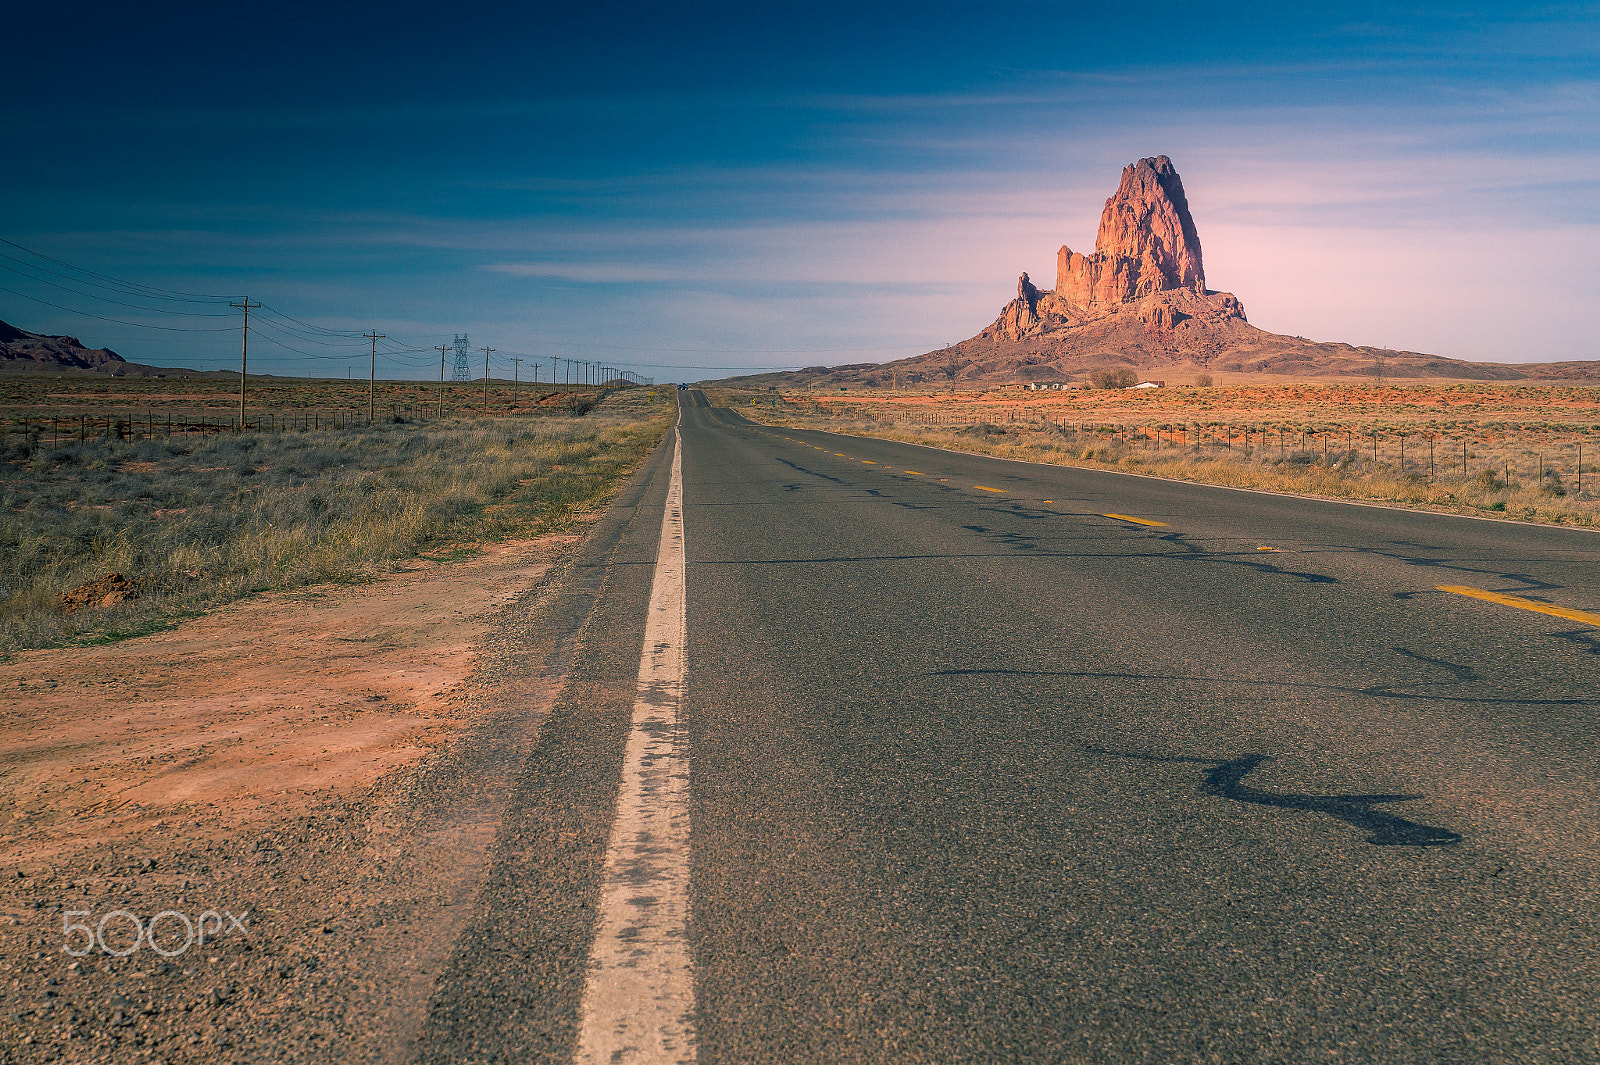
(1521, 444)
(153, 399)
(199, 521)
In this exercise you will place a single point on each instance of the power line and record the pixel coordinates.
(274, 326)
(346, 334)
(122, 321)
(268, 325)
(28, 271)
(136, 286)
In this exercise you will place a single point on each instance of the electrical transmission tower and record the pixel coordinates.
(463, 369)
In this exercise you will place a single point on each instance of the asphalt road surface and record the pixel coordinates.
(994, 762)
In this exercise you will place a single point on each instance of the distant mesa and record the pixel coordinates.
(1140, 302)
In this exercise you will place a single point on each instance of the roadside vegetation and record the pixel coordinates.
(109, 537)
(1480, 459)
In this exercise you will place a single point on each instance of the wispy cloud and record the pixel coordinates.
(1416, 178)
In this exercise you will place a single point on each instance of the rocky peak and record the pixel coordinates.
(1145, 268)
(20, 349)
(1146, 244)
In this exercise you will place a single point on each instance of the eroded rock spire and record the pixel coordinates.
(1147, 242)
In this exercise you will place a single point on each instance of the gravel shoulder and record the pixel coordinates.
(313, 781)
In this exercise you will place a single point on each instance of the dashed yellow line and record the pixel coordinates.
(1534, 605)
(914, 473)
(986, 488)
(869, 462)
(1136, 521)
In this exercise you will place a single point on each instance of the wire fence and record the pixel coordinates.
(54, 430)
(1564, 457)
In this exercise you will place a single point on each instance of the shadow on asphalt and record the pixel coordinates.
(1225, 779)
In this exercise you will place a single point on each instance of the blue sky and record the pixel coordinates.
(679, 190)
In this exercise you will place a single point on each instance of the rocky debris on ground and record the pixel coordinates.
(104, 593)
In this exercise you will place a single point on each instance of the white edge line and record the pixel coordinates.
(638, 1000)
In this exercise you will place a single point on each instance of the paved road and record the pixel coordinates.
(979, 773)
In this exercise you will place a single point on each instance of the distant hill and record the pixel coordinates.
(1140, 301)
(25, 352)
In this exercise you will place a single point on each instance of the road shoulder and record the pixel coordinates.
(341, 786)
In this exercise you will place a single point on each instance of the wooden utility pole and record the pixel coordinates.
(244, 354)
(372, 373)
(442, 349)
(486, 379)
(516, 373)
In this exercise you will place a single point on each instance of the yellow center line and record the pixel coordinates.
(1537, 607)
(869, 462)
(1136, 521)
(914, 473)
(986, 488)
